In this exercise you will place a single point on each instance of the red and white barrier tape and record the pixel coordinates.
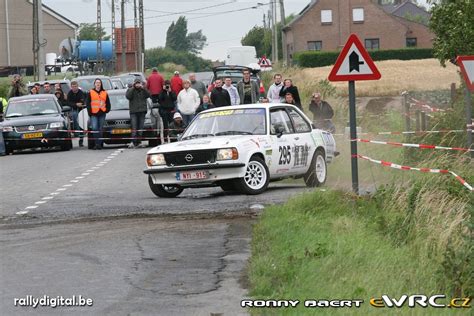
(414, 132)
(425, 106)
(427, 170)
(422, 146)
(46, 139)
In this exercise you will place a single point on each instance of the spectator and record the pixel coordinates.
(47, 88)
(2, 145)
(248, 89)
(3, 104)
(60, 96)
(288, 87)
(289, 99)
(205, 104)
(75, 99)
(17, 87)
(233, 93)
(34, 90)
(167, 100)
(322, 113)
(273, 94)
(199, 86)
(137, 96)
(188, 102)
(219, 95)
(176, 127)
(154, 84)
(38, 87)
(98, 105)
(57, 86)
(176, 83)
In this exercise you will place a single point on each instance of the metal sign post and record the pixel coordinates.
(353, 134)
(354, 63)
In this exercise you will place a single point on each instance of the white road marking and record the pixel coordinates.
(54, 193)
(74, 181)
(107, 160)
(80, 177)
(90, 170)
(68, 185)
(85, 174)
(21, 213)
(31, 207)
(40, 202)
(111, 157)
(47, 198)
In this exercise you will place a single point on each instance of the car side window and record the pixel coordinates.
(300, 124)
(279, 120)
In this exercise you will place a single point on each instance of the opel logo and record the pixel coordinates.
(189, 157)
(31, 128)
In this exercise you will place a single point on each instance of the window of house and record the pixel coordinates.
(315, 45)
(411, 42)
(372, 43)
(326, 16)
(358, 15)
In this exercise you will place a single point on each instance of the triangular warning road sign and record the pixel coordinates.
(264, 62)
(467, 69)
(354, 63)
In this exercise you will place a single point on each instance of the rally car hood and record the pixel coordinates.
(213, 142)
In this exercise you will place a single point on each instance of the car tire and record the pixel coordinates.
(164, 191)
(8, 150)
(256, 178)
(67, 145)
(317, 172)
(90, 143)
(227, 185)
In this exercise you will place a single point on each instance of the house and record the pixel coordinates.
(325, 25)
(16, 32)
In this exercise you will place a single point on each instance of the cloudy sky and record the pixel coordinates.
(224, 22)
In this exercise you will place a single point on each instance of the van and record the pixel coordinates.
(241, 55)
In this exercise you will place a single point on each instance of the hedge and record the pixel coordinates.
(320, 59)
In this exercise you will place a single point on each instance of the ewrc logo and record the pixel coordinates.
(437, 301)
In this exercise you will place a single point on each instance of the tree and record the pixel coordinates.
(156, 57)
(178, 39)
(259, 37)
(453, 24)
(88, 32)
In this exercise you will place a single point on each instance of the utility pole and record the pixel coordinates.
(112, 68)
(272, 26)
(275, 30)
(99, 66)
(135, 25)
(141, 47)
(264, 22)
(124, 41)
(38, 40)
(283, 35)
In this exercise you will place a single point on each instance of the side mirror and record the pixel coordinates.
(66, 108)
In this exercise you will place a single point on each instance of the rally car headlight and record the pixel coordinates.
(7, 128)
(55, 125)
(155, 160)
(227, 154)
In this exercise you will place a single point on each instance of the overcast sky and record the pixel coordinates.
(224, 22)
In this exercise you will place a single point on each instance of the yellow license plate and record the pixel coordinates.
(32, 135)
(121, 131)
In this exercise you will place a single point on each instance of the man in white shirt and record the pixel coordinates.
(273, 94)
(234, 94)
(188, 102)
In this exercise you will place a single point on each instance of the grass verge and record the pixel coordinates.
(332, 245)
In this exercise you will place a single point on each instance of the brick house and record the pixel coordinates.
(326, 24)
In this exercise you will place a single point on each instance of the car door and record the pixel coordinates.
(303, 144)
(282, 139)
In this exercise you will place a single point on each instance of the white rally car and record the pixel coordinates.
(242, 148)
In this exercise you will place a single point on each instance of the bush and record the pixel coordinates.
(156, 57)
(320, 59)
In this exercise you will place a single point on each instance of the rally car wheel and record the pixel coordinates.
(256, 177)
(317, 172)
(164, 191)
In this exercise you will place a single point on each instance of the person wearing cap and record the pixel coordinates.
(176, 83)
(176, 127)
(154, 84)
(188, 102)
(137, 96)
(167, 100)
(61, 98)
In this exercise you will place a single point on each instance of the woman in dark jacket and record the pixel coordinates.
(98, 105)
(206, 104)
(290, 88)
(60, 96)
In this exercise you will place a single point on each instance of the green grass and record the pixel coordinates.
(330, 245)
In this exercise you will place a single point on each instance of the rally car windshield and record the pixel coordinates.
(31, 107)
(228, 122)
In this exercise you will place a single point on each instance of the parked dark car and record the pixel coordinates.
(36, 121)
(87, 82)
(65, 85)
(117, 127)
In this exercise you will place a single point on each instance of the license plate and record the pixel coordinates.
(193, 175)
(32, 135)
(121, 131)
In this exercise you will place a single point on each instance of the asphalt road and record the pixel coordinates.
(85, 222)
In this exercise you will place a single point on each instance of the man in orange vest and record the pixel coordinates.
(98, 105)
